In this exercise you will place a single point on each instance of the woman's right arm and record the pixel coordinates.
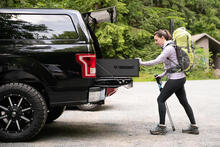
(161, 58)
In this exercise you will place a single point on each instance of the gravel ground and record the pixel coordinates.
(127, 117)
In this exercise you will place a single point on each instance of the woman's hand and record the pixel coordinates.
(139, 60)
(161, 75)
(157, 76)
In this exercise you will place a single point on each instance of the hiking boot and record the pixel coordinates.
(191, 130)
(159, 130)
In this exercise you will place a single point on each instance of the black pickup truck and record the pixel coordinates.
(49, 59)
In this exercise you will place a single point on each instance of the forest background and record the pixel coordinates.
(132, 35)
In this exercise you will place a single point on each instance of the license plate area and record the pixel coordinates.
(96, 94)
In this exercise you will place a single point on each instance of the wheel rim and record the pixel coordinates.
(16, 113)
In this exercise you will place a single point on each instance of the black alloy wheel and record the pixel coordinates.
(23, 112)
(16, 113)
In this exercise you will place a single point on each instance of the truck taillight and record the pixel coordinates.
(88, 63)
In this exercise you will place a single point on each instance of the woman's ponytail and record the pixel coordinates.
(165, 33)
(168, 35)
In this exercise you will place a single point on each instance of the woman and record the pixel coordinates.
(175, 83)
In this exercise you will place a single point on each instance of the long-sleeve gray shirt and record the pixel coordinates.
(168, 52)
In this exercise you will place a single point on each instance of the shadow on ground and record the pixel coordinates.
(78, 130)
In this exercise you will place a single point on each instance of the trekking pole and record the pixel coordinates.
(158, 79)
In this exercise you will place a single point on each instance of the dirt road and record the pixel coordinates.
(127, 117)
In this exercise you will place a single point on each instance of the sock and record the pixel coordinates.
(162, 125)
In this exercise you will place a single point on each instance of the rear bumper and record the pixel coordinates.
(98, 92)
(113, 82)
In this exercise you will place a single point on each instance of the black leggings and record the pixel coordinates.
(177, 87)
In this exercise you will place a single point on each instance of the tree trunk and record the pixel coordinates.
(6, 3)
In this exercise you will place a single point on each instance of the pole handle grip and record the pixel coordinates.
(158, 79)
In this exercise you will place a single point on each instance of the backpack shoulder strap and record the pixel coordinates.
(174, 45)
(171, 43)
(178, 67)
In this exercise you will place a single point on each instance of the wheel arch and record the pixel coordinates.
(26, 78)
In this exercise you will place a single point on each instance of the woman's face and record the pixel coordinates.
(159, 41)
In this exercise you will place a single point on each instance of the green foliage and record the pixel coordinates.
(200, 69)
(159, 18)
(121, 41)
(201, 75)
(66, 35)
(200, 59)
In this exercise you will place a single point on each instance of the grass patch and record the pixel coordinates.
(193, 75)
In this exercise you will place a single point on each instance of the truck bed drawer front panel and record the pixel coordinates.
(117, 68)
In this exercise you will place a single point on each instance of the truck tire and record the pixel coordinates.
(89, 107)
(54, 113)
(23, 112)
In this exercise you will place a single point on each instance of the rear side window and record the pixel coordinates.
(43, 27)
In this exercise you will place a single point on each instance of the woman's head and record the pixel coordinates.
(161, 36)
